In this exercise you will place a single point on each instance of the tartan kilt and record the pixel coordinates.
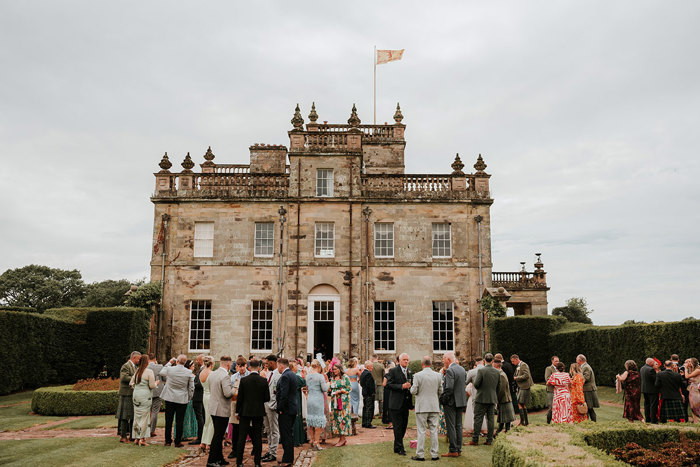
(591, 398)
(672, 409)
(523, 396)
(506, 414)
(125, 411)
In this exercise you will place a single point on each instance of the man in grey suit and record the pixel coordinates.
(220, 392)
(550, 389)
(271, 420)
(178, 390)
(427, 387)
(488, 382)
(156, 402)
(590, 390)
(454, 401)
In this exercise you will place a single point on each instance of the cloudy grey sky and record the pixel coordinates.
(586, 114)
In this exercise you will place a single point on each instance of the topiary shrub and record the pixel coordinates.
(63, 400)
(538, 397)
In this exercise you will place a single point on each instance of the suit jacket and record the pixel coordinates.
(488, 382)
(508, 369)
(179, 384)
(286, 393)
(198, 395)
(588, 378)
(504, 390)
(220, 392)
(253, 393)
(367, 383)
(648, 377)
(378, 373)
(547, 373)
(522, 376)
(454, 391)
(272, 389)
(127, 371)
(155, 368)
(668, 382)
(427, 387)
(400, 397)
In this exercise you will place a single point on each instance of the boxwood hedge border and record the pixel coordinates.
(63, 400)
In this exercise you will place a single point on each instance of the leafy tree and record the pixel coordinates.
(107, 293)
(575, 311)
(492, 307)
(40, 287)
(145, 296)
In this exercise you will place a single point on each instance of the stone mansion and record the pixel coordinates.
(328, 246)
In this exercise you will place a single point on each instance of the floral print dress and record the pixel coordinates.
(577, 398)
(340, 406)
(561, 406)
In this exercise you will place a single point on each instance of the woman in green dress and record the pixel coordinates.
(189, 428)
(143, 382)
(340, 404)
(298, 427)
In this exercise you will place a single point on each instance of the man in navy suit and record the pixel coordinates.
(250, 408)
(287, 406)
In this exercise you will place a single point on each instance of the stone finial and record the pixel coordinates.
(209, 156)
(398, 116)
(165, 163)
(354, 121)
(457, 166)
(187, 164)
(539, 264)
(297, 120)
(313, 116)
(480, 165)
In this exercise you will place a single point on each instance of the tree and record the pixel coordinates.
(145, 296)
(40, 287)
(575, 311)
(492, 307)
(107, 293)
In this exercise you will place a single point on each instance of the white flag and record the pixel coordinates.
(386, 56)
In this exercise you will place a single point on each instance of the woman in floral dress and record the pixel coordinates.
(692, 374)
(561, 407)
(340, 404)
(633, 391)
(577, 393)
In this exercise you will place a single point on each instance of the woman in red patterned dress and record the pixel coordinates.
(633, 391)
(577, 393)
(561, 407)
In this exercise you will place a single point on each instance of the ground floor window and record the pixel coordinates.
(200, 324)
(443, 326)
(261, 325)
(384, 326)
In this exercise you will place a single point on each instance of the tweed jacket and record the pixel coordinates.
(272, 380)
(427, 387)
(378, 373)
(127, 371)
(547, 373)
(455, 386)
(488, 383)
(504, 390)
(522, 376)
(220, 392)
(588, 378)
(179, 384)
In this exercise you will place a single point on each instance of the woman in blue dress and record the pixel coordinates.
(353, 372)
(317, 386)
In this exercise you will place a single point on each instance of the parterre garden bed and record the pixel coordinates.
(64, 400)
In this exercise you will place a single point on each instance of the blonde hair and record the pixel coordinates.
(208, 361)
(574, 369)
(316, 365)
(352, 363)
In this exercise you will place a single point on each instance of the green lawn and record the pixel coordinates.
(607, 394)
(17, 417)
(67, 452)
(18, 397)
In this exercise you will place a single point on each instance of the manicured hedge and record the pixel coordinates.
(607, 439)
(63, 400)
(538, 397)
(26, 309)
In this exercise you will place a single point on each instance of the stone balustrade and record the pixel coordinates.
(521, 280)
(428, 186)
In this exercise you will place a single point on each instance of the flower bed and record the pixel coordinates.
(92, 384)
(682, 453)
(64, 400)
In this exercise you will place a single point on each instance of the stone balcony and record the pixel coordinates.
(514, 281)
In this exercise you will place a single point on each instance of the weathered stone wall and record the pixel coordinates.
(268, 159)
(384, 158)
(537, 298)
(346, 174)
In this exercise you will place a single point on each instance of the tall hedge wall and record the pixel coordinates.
(45, 349)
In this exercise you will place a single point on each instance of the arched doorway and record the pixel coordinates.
(323, 330)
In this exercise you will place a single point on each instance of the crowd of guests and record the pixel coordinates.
(288, 402)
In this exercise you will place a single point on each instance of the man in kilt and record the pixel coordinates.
(590, 390)
(523, 378)
(125, 411)
(668, 382)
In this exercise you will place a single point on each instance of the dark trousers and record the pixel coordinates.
(124, 428)
(198, 407)
(216, 449)
(453, 423)
(178, 411)
(651, 407)
(514, 398)
(399, 417)
(248, 426)
(367, 411)
(287, 437)
(481, 410)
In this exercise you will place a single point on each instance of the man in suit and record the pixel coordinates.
(125, 411)
(220, 392)
(523, 378)
(590, 390)
(647, 375)
(368, 387)
(178, 390)
(398, 382)
(427, 387)
(550, 389)
(668, 383)
(156, 401)
(488, 382)
(378, 373)
(287, 406)
(271, 421)
(250, 407)
(454, 401)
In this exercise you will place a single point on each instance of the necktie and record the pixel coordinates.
(269, 378)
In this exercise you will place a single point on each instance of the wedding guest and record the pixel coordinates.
(668, 382)
(427, 388)
(368, 388)
(523, 378)
(454, 401)
(253, 393)
(647, 376)
(197, 399)
(487, 383)
(378, 374)
(317, 385)
(509, 370)
(220, 393)
(386, 413)
(561, 402)
(590, 390)
(233, 420)
(398, 381)
(142, 383)
(156, 403)
(287, 406)
(271, 420)
(353, 372)
(179, 388)
(471, 391)
(190, 426)
(125, 411)
(684, 387)
(298, 433)
(550, 389)
(340, 404)
(631, 382)
(208, 430)
(506, 414)
(577, 397)
(692, 374)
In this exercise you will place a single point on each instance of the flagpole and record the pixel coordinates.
(375, 84)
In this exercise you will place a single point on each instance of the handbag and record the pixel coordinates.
(582, 408)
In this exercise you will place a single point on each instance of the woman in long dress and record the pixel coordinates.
(353, 372)
(633, 391)
(692, 374)
(189, 427)
(577, 396)
(468, 423)
(386, 415)
(317, 386)
(561, 406)
(340, 404)
(143, 382)
(208, 430)
(298, 432)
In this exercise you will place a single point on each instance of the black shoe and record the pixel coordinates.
(370, 427)
(401, 453)
(435, 459)
(268, 458)
(223, 462)
(212, 464)
(232, 455)
(195, 441)
(416, 458)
